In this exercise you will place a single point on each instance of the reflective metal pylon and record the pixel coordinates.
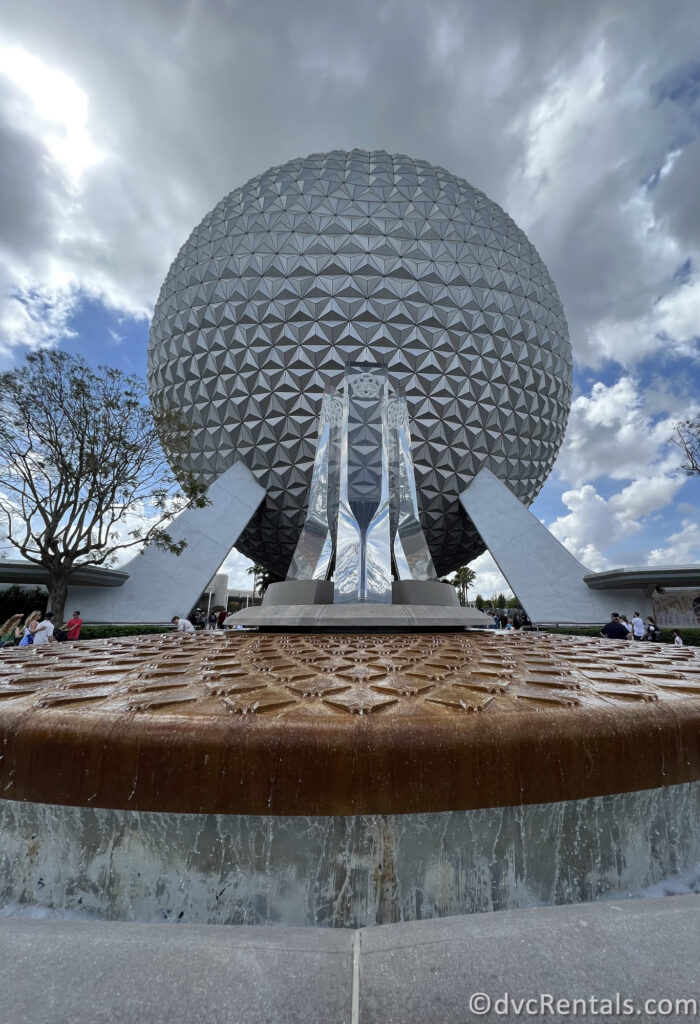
(411, 553)
(362, 502)
(314, 551)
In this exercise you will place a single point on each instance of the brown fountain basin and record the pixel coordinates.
(344, 724)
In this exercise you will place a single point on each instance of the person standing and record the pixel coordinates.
(614, 630)
(73, 626)
(30, 627)
(44, 630)
(637, 626)
(652, 631)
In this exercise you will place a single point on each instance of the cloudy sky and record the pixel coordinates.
(122, 124)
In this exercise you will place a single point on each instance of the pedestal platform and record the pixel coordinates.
(308, 605)
(255, 778)
(334, 618)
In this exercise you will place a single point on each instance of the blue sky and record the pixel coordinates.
(123, 128)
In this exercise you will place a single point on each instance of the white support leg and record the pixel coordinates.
(546, 578)
(160, 584)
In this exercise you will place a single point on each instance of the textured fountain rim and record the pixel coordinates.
(405, 755)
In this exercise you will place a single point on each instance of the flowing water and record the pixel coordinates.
(345, 871)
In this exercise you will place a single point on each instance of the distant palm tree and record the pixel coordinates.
(462, 580)
(262, 578)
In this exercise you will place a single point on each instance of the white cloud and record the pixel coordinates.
(621, 431)
(489, 580)
(670, 324)
(237, 565)
(120, 149)
(681, 548)
(594, 524)
(35, 313)
(595, 148)
(57, 114)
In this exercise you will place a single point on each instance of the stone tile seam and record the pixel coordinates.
(355, 998)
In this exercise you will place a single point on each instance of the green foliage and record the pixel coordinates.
(480, 603)
(462, 580)
(83, 470)
(102, 631)
(689, 635)
(512, 602)
(500, 601)
(262, 578)
(16, 599)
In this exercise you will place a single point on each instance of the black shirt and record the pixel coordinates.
(615, 630)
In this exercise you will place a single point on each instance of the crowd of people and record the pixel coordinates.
(199, 620)
(519, 620)
(622, 628)
(38, 628)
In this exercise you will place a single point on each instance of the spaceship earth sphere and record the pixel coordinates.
(360, 255)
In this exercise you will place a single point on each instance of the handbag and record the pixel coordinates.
(26, 640)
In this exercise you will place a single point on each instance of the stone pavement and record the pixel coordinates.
(87, 972)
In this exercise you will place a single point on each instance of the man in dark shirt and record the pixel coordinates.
(614, 630)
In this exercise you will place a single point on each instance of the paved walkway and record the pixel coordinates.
(93, 973)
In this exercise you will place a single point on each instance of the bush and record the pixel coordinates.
(689, 636)
(16, 599)
(100, 632)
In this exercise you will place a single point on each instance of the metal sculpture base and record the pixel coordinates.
(363, 618)
(308, 604)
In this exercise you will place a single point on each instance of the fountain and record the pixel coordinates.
(396, 766)
(264, 778)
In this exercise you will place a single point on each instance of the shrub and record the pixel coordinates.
(689, 635)
(21, 599)
(106, 630)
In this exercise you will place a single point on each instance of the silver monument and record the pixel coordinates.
(363, 516)
(358, 256)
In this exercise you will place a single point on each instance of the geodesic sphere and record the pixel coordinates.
(363, 256)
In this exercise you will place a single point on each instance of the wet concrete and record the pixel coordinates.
(67, 972)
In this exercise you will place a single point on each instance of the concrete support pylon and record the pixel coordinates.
(546, 578)
(160, 584)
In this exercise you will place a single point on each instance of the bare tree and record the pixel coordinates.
(83, 474)
(686, 436)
